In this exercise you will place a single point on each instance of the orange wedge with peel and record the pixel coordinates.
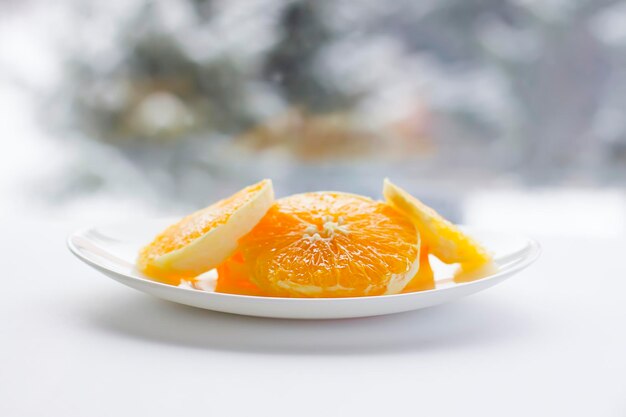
(444, 240)
(204, 239)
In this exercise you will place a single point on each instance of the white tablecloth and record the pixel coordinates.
(551, 341)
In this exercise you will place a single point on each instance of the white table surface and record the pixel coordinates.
(550, 341)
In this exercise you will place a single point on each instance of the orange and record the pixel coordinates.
(232, 278)
(425, 277)
(204, 239)
(444, 240)
(329, 244)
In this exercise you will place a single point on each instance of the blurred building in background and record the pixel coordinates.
(169, 104)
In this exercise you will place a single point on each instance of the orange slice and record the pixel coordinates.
(329, 244)
(446, 241)
(204, 239)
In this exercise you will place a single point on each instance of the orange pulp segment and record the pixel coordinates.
(232, 278)
(425, 277)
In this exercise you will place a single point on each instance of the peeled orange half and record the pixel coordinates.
(206, 238)
(444, 240)
(329, 244)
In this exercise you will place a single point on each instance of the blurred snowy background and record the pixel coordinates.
(497, 112)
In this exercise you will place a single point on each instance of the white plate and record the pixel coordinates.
(112, 250)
